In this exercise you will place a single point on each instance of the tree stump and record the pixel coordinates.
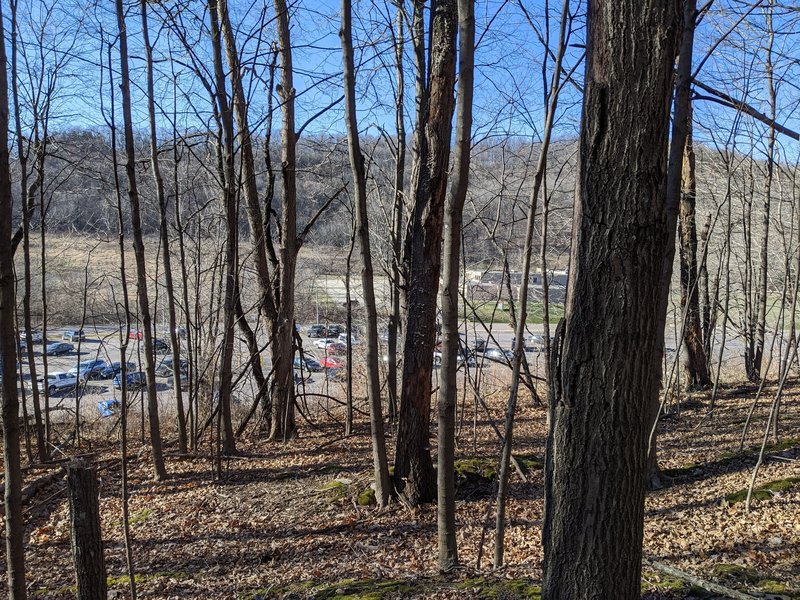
(87, 541)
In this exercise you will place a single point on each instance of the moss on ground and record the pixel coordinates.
(682, 471)
(765, 491)
(492, 588)
(476, 470)
(736, 573)
(334, 491)
(367, 497)
(530, 463)
(483, 588)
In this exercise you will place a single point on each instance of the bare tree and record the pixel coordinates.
(15, 526)
(380, 465)
(138, 247)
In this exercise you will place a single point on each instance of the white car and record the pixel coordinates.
(57, 382)
(322, 343)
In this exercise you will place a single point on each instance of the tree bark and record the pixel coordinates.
(230, 207)
(15, 526)
(695, 359)
(602, 379)
(283, 412)
(451, 341)
(87, 540)
(414, 475)
(163, 231)
(138, 247)
(379, 461)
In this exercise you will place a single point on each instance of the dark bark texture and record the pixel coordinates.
(87, 540)
(414, 475)
(601, 388)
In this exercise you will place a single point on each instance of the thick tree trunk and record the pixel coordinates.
(414, 474)
(451, 341)
(138, 248)
(602, 380)
(87, 541)
(379, 461)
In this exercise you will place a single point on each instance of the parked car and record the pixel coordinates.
(322, 343)
(58, 382)
(354, 340)
(73, 335)
(136, 379)
(317, 331)
(311, 364)
(164, 369)
(498, 355)
(135, 334)
(530, 344)
(331, 362)
(160, 346)
(36, 336)
(335, 330)
(58, 348)
(336, 348)
(88, 369)
(115, 368)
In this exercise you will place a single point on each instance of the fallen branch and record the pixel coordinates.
(697, 581)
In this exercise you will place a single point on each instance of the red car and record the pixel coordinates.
(331, 362)
(336, 348)
(135, 334)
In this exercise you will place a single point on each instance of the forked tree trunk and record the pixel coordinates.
(138, 248)
(379, 462)
(602, 380)
(414, 475)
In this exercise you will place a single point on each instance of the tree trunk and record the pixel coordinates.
(414, 474)
(15, 526)
(379, 461)
(451, 341)
(27, 192)
(138, 248)
(230, 207)
(522, 317)
(164, 232)
(87, 541)
(283, 412)
(695, 359)
(397, 217)
(602, 380)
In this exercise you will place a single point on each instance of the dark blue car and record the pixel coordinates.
(136, 379)
(115, 368)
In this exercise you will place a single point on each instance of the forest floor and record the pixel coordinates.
(284, 520)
